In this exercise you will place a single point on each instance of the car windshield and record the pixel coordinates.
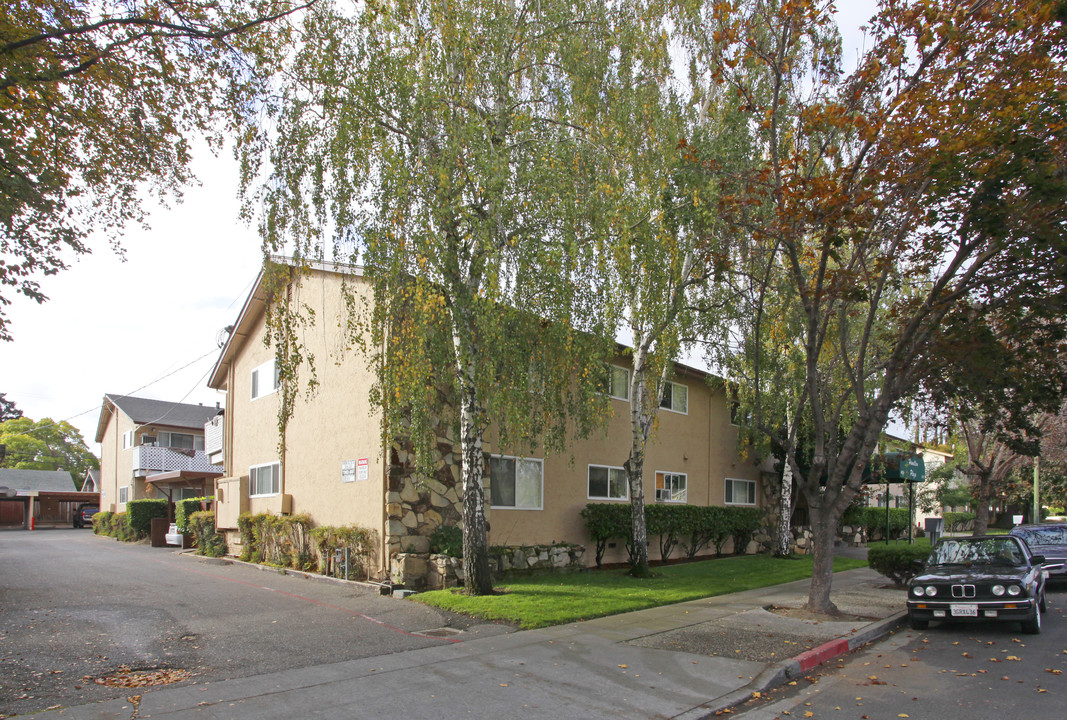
(1043, 536)
(965, 551)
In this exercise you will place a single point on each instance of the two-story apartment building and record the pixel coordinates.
(335, 466)
(152, 448)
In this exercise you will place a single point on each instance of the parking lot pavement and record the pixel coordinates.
(81, 616)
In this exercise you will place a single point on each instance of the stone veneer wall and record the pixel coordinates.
(416, 506)
(423, 571)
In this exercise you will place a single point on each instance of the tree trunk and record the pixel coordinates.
(634, 471)
(981, 505)
(783, 541)
(824, 529)
(478, 578)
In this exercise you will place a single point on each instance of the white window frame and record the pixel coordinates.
(728, 492)
(124, 495)
(613, 391)
(672, 407)
(127, 440)
(267, 370)
(610, 469)
(541, 494)
(668, 494)
(253, 480)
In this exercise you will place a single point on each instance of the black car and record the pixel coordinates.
(993, 577)
(1050, 540)
(83, 516)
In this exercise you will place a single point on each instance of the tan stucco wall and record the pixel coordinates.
(333, 425)
(702, 444)
(116, 464)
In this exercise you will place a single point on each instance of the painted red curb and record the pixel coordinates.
(819, 655)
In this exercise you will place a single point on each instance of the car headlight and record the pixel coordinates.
(1014, 590)
(918, 590)
(931, 590)
(998, 590)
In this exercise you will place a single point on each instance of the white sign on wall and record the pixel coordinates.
(348, 470)
(363, 469)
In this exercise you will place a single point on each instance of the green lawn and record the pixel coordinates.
(542, 600)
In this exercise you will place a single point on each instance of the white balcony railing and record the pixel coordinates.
(149, 459)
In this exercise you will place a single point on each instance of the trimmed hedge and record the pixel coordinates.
(359, 542)
(184, 508)
(280, 540)
(899, 563)
(873, 518)
(691, 527)
(208, 542)
(113, 525)
(139, 514)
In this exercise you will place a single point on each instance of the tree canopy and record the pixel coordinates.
(100, 103)
(46, 445)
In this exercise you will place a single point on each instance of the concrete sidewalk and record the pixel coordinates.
(686, 661)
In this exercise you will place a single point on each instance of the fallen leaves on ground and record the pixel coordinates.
(126, 677)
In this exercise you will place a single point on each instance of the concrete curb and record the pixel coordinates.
(780, 673)
(229, 560)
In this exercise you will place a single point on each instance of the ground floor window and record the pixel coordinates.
(516, 482)
(124, 494)
(740, 492)
(670, 487)
(265, 479)
(608, 483)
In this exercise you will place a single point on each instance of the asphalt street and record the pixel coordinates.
(77, 610)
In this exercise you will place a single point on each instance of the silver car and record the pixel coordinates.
(1050, 540)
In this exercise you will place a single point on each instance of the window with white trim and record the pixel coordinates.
(617, 382)
(740, 492)
(516, 483)
(264, 480)
(675, 398)
(670, 487)
(608, 483)
(124, 494)
(127, 440)
(182, 441)
(265, 380)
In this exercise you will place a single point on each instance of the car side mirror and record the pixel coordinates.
(1037, 559)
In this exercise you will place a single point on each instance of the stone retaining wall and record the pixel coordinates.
(423, 571)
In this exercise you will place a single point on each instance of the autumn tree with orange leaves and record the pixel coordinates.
(884, 214)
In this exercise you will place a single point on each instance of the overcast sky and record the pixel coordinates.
(148, 326)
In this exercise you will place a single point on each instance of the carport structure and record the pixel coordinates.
(175, 484)
(46, 497)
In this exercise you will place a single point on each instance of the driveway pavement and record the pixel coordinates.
(681, 661)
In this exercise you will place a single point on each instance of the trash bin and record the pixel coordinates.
(159, 531)
(934, 528)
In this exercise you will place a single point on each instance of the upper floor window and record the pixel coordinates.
(675, 398)
(181, 441)
(740, 492)
(127, 440)
(265, 380)
(608, 483)
(670, 487)
(265, 480)
(617, 382)
(516, 482)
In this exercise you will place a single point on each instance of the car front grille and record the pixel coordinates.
(963, 591)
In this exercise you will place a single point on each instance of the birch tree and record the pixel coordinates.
(447, 147)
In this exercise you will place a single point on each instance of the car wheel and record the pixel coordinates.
(1032, 625)
(917, 624)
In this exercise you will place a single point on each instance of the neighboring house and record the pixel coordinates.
(91, 482)
(50, 497)
(899, 493)
(336, 468)
(152, 448)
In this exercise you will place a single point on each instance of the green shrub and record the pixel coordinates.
(605, 522)
(899, 563)
(447, 540)
(281, 540)
(873, 518)
(102, 522)
(744, 522)
(208, 542)
(957, 521)
(120, 528)
(184, 508)
(139, 514)
(360, 543)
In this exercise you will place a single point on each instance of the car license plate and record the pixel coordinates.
(964, 610)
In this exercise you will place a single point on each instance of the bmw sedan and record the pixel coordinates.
(988, 578)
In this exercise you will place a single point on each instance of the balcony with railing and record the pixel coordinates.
(213, 438)
(151, 459)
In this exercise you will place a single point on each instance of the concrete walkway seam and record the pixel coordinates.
(780, 673)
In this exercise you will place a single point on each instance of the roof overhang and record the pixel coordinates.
(183, 478)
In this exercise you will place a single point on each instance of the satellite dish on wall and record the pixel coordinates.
(223, 335)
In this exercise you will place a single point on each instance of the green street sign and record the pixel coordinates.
(895, 467)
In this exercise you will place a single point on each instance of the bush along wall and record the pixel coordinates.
(184, 508)
(690, 528)
(331, 542)
(139, 514)
(113, 525)
(289, 541)
(873, 520)
(202, 525)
